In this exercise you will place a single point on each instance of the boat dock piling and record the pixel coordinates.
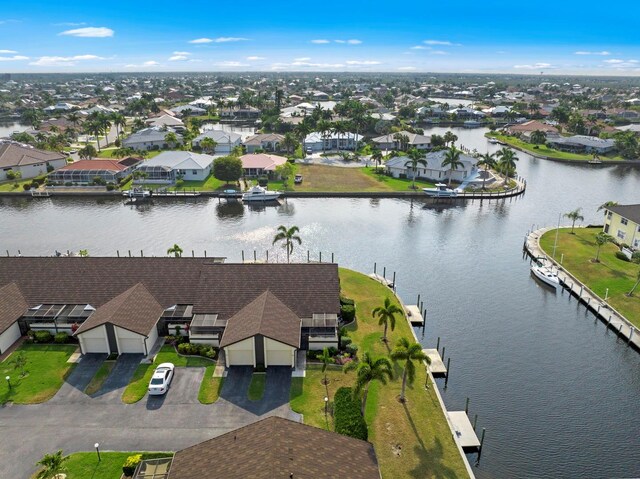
(383, 278)
(437, 366)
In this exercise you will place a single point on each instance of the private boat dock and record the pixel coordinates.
(464, 430)
(437, 366)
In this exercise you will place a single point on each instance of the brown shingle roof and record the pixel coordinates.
(136, 310)
(12, 154)
(12, 306)
(630, 212)
(275, 448)
(265, 315)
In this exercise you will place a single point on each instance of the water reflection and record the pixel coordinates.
(229, 209)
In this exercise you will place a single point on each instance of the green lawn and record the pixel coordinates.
(46, 369)
(396, 184)
(101, 376)
(418, 426)
(10, 185)
(108, 153)
(210, 387)
(618, 276)
(210, 184)
(256, 387)
(85, 465)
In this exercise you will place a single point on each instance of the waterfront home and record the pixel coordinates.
(392, 141)
(83, 172)
(271, 448)
(166, 121)
(169, 166)
(582, 144)
(188, 110)
(259, 164)
(434, 171)
(528, 127)
(260, 314)
(264, 141)
(249, 113)
(28, 161)
(226, 141)
(623, 223)
(150, 139)
(329, 141)
(306, 108)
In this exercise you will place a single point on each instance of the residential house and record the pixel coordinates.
(525, 129)
(166, 121)
(328, 141)
(265, 141)
(582, 144)
(123, 305)
(169, 166)
(150, 139)
(273, 447)
(29, 161)
(434, 171)
(185, 110)
(246, 113)
(259, 164)
(623, 223)
(392, 142)
(226, 141)
(83, 172)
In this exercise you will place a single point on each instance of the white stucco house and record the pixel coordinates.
(168, 166)
(434, 170)
(29, 161)
(226, 141)
(329, 141)
(153, 138)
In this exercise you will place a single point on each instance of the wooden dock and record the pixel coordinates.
(437, 366)
(414, 314)
(464, 433)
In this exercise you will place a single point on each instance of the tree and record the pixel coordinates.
(52, 465)
(83, 253)
(386, 315)
(437, 142)
(538, 137)
(415, 158)
(20, 363)
(289, 143)
(171, 139)
(175, 250)
(602, 238)
(122, 152)
(487, 161)
(607, 205)
(87, 152)
(452, 160)
(408, 352)
(288, 236)
(368, 370)
(326, 359)
(32, 117)
(635, 258)
(208, 144)
(227, 168)
(285, 171)
(377, 157)
(449, 137)
(507, 162)
(574, 216)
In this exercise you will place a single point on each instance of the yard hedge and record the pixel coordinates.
(347, 417)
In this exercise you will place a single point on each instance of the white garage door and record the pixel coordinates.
(279, 358)
(131, 345)
(94, 345)
(239, 357)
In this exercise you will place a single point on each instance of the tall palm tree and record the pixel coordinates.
(288, 236)
(339, 128)
(538, 137)
(408, 352)
(138, 124)
(635, 258)
(87, 152)
(386, 315)
(487, 161)
(171, 139)
(209, 144)
(415, 158)
(175, 250)
(368, 370)
(74, 118)
(377, 156)
(607, 205)
(507, 162)
(574, 216)
(452, 160)
(450, 137)
(52, 465)
(602, 238)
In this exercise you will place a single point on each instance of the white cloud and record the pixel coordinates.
(89, 32)
(201, 40)
(535, 66)
(231, 64)
(14, 58)
(178, 58)
(445, 43)
(438, 52)
(8, 51)
(182, 53)
(230, 39)
(69, 24)
(56, 61)
(407, 69)
(350, 42)
(150, 63)
(317, 65)
(302, 59)
(614, 61)
(420, 47)
(255, 58)
(320, 42)
(602, 53)
(621, 64)
(363, 62)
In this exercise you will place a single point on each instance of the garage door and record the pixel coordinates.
(94, 345)
(130, 345)
(279, 358)
(239, 357)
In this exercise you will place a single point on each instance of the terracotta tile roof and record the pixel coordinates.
(12, 154)
(262, 160)
(277, 448)
(107, 165)
(531, 126)
(265, 315)
(136, 310)
(12, 306)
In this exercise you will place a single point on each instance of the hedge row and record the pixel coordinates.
(347, 416)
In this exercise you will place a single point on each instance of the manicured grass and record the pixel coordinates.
(46, 369)
(10, 185)
(256, 388)
(168, 354)
(210, 387)
(396, 184)
(321, 178)
(418, 426)
(98, 380)
(618, 276)
(85, 465)
(210, 184)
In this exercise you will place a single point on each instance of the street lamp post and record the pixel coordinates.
(97, 446)
(326, 407)
(8, 378)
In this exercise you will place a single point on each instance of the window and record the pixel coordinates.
(621, 234)
(636, 243)
(194, 172)
(624, 221)
(609, 215)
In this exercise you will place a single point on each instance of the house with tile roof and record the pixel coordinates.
(83, 172)
(226, 141)
(392, 141)
(433, 171)
(259, 164)
(168, 166)
(29, 161)
(263, 141)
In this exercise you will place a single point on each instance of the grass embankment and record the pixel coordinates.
(11, 185)
(210, 387)
(256, 387)
(412, 439)
(46, 369)
(101, 376)
(83, 465)
(544, 150)
(618, 276)
(139, 384)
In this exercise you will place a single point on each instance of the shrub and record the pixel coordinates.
(347, 417)
(345, 341)
(49, 168)
(346, 301)
(263, 181)
(43, 336)
(61, 337)
(68, 183)
(111, 187)
(333, 351)
(348, 313)
(130, 464)
(352, 349)
(26, 186)
(622, 256)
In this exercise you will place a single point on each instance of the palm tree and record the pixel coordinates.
(449, 137)
(507, 162)
(138, 124)
(415, 158)
(487, 160)
(288, 236)
(326, 359)
(94, 128)
(377, 157)
(601, 239)
(607, 205)
(408, 352)
(574, 216)
(209, 144)
(339, 128)
(386, 315)
(74, 118)
(289, 143)
(538, 137)
(452, 160)
(175, 250)
(367, 370)
(52, 465)
(171, 139)
(635, 258)
(87, 152)
(122, 152)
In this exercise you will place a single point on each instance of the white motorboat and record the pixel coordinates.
(492, 140)
(258, 193)
(440, 191)
(136, 193)
(546, 275)
(472, 124)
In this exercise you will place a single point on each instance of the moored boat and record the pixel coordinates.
(136, 193)
(546, 275)
(258, 193)
(440, 191)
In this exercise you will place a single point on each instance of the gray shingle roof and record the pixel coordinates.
(12, 306)
(631, 212)
(12, 154)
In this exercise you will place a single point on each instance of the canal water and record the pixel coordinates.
(557, 393)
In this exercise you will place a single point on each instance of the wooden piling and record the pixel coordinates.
(118, 253)
(129, 253)
(446, 378)
(255, 258)
(466, 407)
(267, 256)
(243, 256)
(438, 344)
(320, 256)
(475, 421)
(481, 444)
(332, 258)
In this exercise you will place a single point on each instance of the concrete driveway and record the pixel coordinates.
(172, 422)
(73, 388)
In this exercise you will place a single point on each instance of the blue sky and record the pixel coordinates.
(464, 36)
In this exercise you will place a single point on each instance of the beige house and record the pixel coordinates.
(623, 223)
